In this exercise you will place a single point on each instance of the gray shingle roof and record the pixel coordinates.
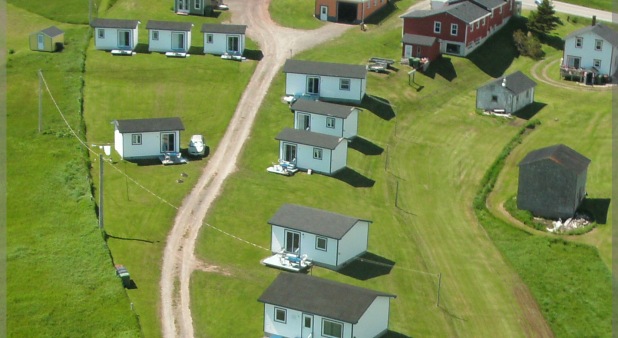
(320, 296)
(490, 3)
(421, 40)
(465, 11)
(169, 25)
(516, 82)
(149, 125)
(323, 108)
(315, 221)
(599, 29)
(325, 69)
(114, 23)
(52, 31)
(560, 154)
(309, 138)
(225, 29)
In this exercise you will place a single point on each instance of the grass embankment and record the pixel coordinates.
(61, 282)
(203, 90)
(295, 14)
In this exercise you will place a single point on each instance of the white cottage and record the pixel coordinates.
(222, 39)
(593, 49)
(169, 36)
(507, 93)
(328, 239)
(299, 305)
(147, 138)
(326, 118)
(321, 153)
(334, 82)
(115, 34)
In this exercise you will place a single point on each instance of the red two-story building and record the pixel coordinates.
(457, 28)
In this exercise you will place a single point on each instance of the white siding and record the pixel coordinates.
(118, 142)
(164, 44)
(305, 160)
(318, 124)
(340, 157)
(292, 326)
(110, 40)
(296, 84)
(150, 147)
(277, 239)
(354, 242)
(350, 127)
(219, 43)
(317, 328)
(307, 245)
(375, 320)
(588, 54)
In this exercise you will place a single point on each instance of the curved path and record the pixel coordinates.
(179, 262)
(545, 78)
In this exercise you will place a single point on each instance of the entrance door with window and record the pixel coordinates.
(304, 122)
(289, 152)
(168, 142)
(41, 41)
(233, 44)
(407, 52)
(313, 85)
(418, 51)
(183, 6)
(292, 242)
(178, 41)
(307, 330)
(124, 39)
(323, 13)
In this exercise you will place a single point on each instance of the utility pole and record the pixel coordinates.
(439, 285)
(40, 101)
(101, 192)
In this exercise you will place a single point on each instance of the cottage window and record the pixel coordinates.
(344, 84)
(317, 153)
(209, 38)
(320, 243)
(598, 44)
(494, 98)
(597, 63)
(280, 315)
(454, 29)
(307, 324)
(313, 85)
(198, 4)
(437, 27)
(136, 139)
(579, 42)
(101, 33)
(330, 122)
(332, 329)
(155, 35)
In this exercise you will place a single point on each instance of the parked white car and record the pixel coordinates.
(197, 145)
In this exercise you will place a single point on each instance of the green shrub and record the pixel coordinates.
(528, 45)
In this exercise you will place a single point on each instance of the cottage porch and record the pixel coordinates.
(584, 75)
(288, 261)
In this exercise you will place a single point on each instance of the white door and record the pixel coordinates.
(233, 44)
(292, 242)
(41, 41)
(307, 326)
(304, 122)
(289, 152)
(323, 13)
(407, 51)
(183, 6)
(178, 41)
(124, 39)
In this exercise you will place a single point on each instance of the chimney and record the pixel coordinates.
(594, 20)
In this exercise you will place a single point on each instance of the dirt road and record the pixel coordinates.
(277, 43)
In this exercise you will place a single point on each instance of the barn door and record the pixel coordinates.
(41, 41)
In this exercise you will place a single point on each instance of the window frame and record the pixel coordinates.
(594, 63)
(579, 42)
(285, 315)
(324, 321)
(454, 27)
(319, 152)
(494, 98)
(198, 4)
(134, 142)
(101, 33)
(437, 27)
(342, 85)
(210, 38)
(330, 125)
(317, 242)
(598, 47)
(155, 35)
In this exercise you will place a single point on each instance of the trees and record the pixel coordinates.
(544, 19)
(528, 45)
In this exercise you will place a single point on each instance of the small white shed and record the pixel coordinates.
(147, 138)
(220, 39)
(328, 239)
(507, 93)
(299, 305)
(115, 34)
(321, 153)
(169, 36)
(334, 82)
(326, 118)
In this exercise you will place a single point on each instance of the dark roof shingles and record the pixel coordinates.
(52, 31)
(224, 29)
(322, 108)
(465, 11)
(421, 40)
(309, 138)
(149, 125)
(599, 29)
(516, 82)
(169, 25)
(114, 23)
(561, 154)
(325, 69)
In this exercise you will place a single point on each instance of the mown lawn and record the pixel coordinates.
(203, 90)
(605, 5)
(294, 13)
(438, 150)
(60, 276)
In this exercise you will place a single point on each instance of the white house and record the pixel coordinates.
(593, 50)
(115, 34)
(299, 305)
(169, 36)
(220, 39)
(328, 239)
(326, 118)
(507, 93)
(327, 81)
(147, 138)
(321, 153)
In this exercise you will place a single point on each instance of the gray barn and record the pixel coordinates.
(509, 93)
(552, 182)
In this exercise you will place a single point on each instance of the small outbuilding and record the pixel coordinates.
(326, 81)
(299, 305)
(420, 46)
(326, 118)
(195, 7)
(115, 34)
(147, 138)
(321, 153)
(222, 39)
(507, 93)
(328, 239)
(50, 39)
(552, 182)
(169, 36)
(347, 11)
